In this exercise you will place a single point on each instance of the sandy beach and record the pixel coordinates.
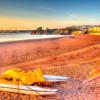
(74, 57)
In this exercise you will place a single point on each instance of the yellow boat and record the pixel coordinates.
(17, 75)
(18, 81)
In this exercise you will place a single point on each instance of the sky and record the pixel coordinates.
(30, 14)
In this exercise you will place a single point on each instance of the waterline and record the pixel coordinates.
(24, 36)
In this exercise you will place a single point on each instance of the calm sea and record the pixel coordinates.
(7, 37)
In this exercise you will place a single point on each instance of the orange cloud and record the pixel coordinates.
(15, 23)
(22, 23)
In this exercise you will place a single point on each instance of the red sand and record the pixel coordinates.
(74, 57)
(19, 52)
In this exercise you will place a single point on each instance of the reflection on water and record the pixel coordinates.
(6, 37)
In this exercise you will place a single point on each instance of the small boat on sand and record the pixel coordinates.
(18, 81)
(26, 89)
(51, 78)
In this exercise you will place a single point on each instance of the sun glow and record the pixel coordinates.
(19, 23)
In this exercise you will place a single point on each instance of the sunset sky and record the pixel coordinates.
(30, 14)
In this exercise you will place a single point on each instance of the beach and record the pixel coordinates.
(74, 57)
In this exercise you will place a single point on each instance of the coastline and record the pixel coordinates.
(27, 50)
(8, 49)
(36, 38)
(30, 40)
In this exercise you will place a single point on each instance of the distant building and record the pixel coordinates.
(95, 29)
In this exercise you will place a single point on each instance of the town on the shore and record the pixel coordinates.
(59, 31)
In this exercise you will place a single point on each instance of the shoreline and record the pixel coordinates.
(18, 51)
(27, 50)
(29, 40)
(35, 40)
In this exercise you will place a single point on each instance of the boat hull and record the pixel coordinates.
(26, 89)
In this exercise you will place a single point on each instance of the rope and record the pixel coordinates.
(28, 88)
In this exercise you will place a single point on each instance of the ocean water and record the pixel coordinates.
(7, 37)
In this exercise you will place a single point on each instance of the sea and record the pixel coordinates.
(8, 37)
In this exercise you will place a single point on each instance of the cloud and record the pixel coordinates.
(16, 23)
(27, 23)
(44, 8)
(82, 19)
(74, 16)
